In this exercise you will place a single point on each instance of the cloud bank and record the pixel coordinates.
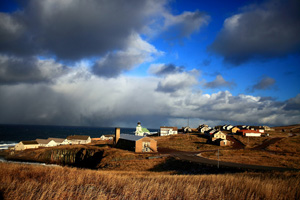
(93, 101)
(263, 31)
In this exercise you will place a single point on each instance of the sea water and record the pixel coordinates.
(10, 135)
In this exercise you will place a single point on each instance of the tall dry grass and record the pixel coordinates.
(40, 182)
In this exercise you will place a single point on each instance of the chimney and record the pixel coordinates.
(117, 135)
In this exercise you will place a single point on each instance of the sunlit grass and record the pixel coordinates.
(40, 182)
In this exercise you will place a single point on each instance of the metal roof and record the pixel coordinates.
(43, 141)
(78, 137)
(130, 137)
(57, 140)
(29, 142)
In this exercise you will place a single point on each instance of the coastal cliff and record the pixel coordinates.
(85, 156)
(82, 157)
(77, 156)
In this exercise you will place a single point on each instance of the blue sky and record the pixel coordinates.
(113, 63)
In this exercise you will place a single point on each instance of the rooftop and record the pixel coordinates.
(130, 137)
(78, 137)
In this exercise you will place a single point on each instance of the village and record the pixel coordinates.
(143, 140)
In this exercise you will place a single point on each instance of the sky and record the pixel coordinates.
(161, 62)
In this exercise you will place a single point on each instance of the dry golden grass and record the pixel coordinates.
(185, 142)
(40, 182)
(246, 156)
(251, 142)
(289, 144)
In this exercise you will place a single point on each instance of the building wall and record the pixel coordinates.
(126, 144)
(19, 146)
(51, 144)
(252, 134)
(167, 131)
(139, 144)
(81, 141)
(225, 143)
(234, 130)
(31, 146)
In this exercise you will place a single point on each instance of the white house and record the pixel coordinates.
(249, 133)
(31, 144)
(46, 143)
(229, 127)
(167, 130)
(219, 135)
(106, 137)
(79, 139)
(60, 141)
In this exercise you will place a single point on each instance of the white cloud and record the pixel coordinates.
(177, 82)
(94, 101)
(137, 52)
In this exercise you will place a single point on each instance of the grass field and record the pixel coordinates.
(186, 142)
(41, 182)
(254, 157)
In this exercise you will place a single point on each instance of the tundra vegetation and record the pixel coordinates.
(19, 181)
(120, 174)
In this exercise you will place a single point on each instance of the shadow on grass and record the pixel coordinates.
(103, 145)
(186, 167)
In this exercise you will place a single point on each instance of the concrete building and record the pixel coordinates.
(134, 143)
(32, 144)
(79, 139)
(167, 130)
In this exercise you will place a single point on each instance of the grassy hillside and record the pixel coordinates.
(41, 182)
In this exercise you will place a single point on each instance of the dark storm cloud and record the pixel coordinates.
(265, 83)
(15, 38)
(183, 25)
(218, 83)
(28, 70)
(262, 31)
(114, 64)
(76, 29)
(293, 104)
(165, 69)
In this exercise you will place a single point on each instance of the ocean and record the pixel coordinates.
(10, 135)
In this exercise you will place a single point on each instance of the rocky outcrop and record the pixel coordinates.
(88, 158)
(77, 157)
